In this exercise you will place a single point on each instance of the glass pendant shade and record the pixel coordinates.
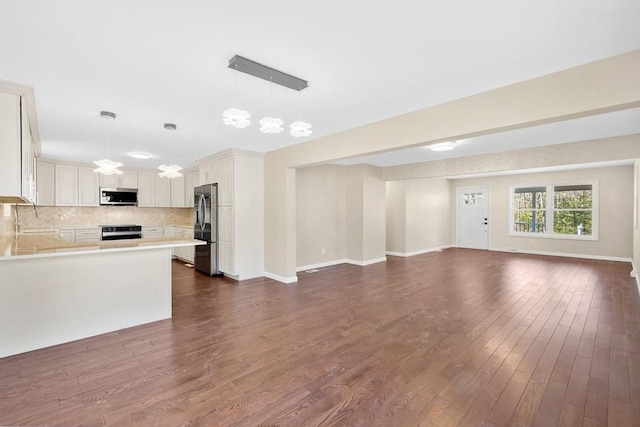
(271, 125)
(170, 171)
(236, 118)
(299, 129)
(107, 167)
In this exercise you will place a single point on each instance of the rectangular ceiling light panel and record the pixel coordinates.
(267, 73)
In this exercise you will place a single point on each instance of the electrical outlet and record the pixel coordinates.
(322, 251)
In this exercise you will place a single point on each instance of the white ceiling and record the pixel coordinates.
(153, 62)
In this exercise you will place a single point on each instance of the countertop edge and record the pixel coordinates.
(147, 244)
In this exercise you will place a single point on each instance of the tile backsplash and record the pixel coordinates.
(72, 216)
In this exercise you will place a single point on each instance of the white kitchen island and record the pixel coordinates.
(52, 292)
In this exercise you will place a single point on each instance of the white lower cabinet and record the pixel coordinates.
(151, 232)
(69, 235)
(226, 262)
(185, 253)
(88, 234)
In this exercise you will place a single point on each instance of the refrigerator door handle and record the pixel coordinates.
(200, 212)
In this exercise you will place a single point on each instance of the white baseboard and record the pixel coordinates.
(341, 261)
(281, 279)
(562, 254)
(367, 262)
(320, 265)
(634, 273)
(420, 252)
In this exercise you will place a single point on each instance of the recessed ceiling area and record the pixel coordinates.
(153, 62)
(624, 122)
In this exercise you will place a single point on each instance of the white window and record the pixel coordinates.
(564, 211)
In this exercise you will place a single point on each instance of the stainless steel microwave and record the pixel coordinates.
(119, 196)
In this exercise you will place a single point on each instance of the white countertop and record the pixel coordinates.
(29, 244)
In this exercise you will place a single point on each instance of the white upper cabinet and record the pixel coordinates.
(19, 144)
(45, 189)
(129, 179)
(66, 185)
(177, 192)
(88, 183)
(146, 189)
(162, 188)
(191, 181)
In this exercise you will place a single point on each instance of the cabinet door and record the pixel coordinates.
(110, 181)
(45, 173)
(10, 145)
(68, 235)
(225, 242)
(66, 185)
(88, 186)
(225, 181)
(177, 192)
(129, 179)
(146, 189)
(162, 188)
(28, 159)
(191, 181)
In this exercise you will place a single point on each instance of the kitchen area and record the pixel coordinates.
(84, 253)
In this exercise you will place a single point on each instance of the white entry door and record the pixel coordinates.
(473, 217)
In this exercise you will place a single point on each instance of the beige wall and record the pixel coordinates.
(320, 214)
(428, 214)
(341, 210)
(396, 206)
(374, 235)
(615, 213)
(418, 215)
(610, 84)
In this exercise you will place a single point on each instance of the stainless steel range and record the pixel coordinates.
(121, 232)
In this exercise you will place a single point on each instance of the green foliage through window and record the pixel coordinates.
(568, 208)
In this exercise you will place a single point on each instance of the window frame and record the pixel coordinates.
(550, 211)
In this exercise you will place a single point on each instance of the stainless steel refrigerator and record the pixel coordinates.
(206, 228)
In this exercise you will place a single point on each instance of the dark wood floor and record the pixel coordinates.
(458, 337)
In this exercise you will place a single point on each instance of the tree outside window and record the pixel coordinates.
(553, 210)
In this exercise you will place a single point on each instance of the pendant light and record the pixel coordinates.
(170, 171)
(106, 166)
(300, 128)
(271, 125)
(234, 116)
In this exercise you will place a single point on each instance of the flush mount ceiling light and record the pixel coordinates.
(106, 166)
(170, 171)
(443, 146)
(143, 156)
(299, 129)
(271, 125)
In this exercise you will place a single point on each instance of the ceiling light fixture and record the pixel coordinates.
(234, 116)
(137, 155)
(271, 125)
(443, 146)
(170, 171)
(106, 166)
(300, 128)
